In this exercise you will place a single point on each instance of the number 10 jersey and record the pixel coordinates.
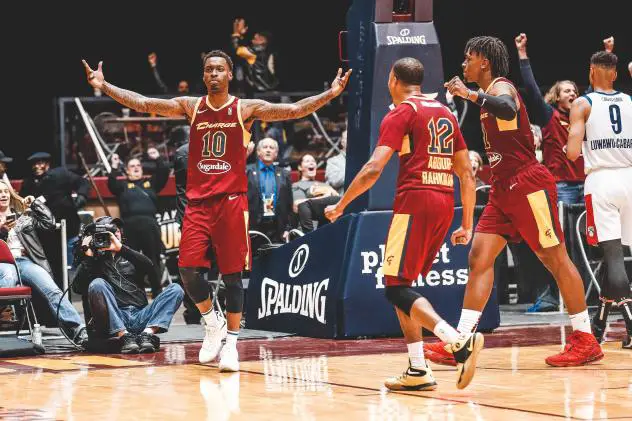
(218, 145)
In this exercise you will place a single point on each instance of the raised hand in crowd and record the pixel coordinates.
(608, 44)
(115, 161)
(521, 45)
(239, 27)
(152, 153)
(153, 59)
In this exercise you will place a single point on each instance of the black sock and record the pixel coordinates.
(600, 319)
(626, 312)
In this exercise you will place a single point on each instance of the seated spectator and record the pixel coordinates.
(311, 197)
(183, 85)
(537, 140)
(20, 222)
(4, 160)
(269, 193)
(482, 196)
(119, 309)
(137, 198)
(335, 171)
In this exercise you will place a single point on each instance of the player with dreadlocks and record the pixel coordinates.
(522, 203)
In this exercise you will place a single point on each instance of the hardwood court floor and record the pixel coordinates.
(309, 379)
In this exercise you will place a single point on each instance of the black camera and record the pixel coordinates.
(100, 236)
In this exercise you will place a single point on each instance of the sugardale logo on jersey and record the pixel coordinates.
(298, 261)
(494, 158)
(213, 166)
(405, 38)
(308, 300)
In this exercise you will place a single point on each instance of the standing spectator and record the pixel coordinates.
(311, 197)
(335, 171)
(269, 193)
(138, 202)
(260, 74)
(22, 234)
(183, 85)
(551, 114)
(57, 186)
(4, 160)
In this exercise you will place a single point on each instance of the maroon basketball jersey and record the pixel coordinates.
(554, 139)
(217, 150)
(509, 144)
(427, 135)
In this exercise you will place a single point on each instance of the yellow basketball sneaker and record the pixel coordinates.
(465, 352)
(413, 379)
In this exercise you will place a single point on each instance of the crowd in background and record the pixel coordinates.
(295, 171)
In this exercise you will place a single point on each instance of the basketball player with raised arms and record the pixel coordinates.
(522, 203)
(604, 116)
(217, 210)
(430, 146)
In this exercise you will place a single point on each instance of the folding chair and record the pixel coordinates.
(580, 229)
(18, 295)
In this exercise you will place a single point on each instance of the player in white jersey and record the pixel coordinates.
(604, 116)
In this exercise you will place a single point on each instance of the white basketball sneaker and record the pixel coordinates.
(215, 334)
(229, 359)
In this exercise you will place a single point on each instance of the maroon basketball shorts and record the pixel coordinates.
(524, 207)
(220, 222)
(421, 219)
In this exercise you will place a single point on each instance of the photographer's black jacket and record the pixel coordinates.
(119, 271)
(139, 197)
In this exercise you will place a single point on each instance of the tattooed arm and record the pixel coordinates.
(181, 106)
(256, 109)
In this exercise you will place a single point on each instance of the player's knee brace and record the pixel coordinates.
(402, 297)
(196, 287)
(234, 293)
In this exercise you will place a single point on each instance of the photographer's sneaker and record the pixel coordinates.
(229, 359)
(465, 352)
(215, 333)
(147, 343)
(128, 344)
(413, 379)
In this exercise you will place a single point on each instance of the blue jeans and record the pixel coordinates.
(39, 280)
(70, 246)
(110, 318)
(570, 193)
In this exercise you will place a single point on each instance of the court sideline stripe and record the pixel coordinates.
(428, 397)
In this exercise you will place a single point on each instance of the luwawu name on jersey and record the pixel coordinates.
(610, 143)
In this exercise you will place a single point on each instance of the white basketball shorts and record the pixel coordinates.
(608, 194)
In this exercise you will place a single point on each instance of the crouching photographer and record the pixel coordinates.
(118, 314)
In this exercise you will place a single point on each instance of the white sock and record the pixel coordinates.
(416, 354)
(445, 332)
(210, 317)
(231, 338)
(581, 321)
(468, 321)
(149, 330)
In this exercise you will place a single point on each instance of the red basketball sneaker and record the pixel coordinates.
(581, 348)
(437, 353)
